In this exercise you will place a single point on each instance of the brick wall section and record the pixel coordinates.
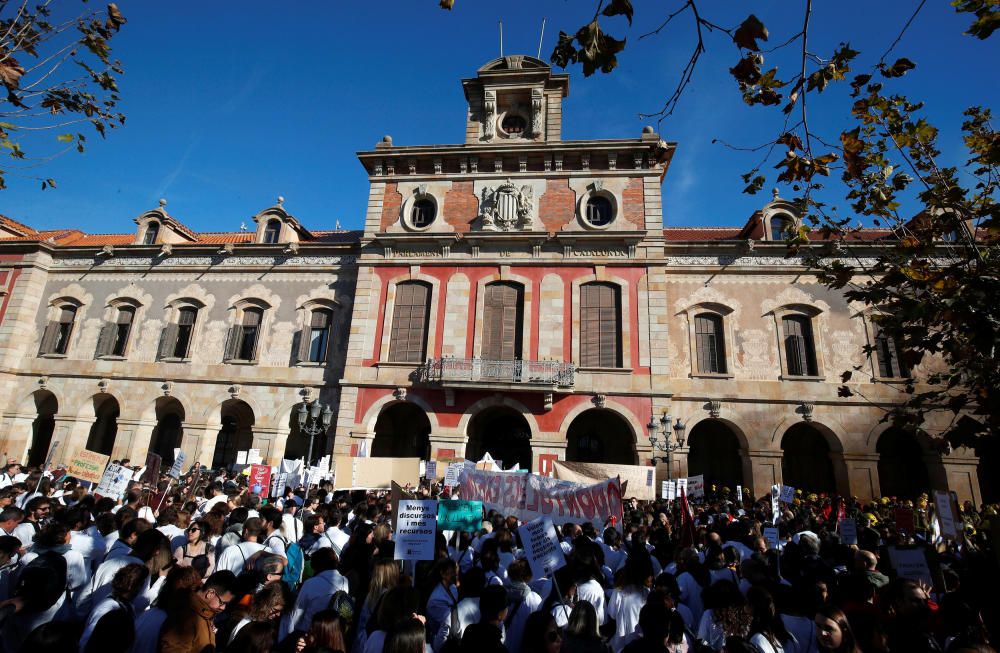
(633, 197)
(557, 207)
(391, 203)
(461, 206)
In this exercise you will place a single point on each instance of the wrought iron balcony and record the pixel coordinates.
(475, 371)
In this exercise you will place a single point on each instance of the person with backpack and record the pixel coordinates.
(317, 593)
(110, 628)
(521, 602)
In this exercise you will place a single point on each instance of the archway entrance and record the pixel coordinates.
(402, 431)
(236, 433)
(988, 451)
(297, 444)
(169, 429)
(42, 427)
(715, 452)
(105, 427)
(805, 460)
(600, 436)
(902, 470)
(504, 433)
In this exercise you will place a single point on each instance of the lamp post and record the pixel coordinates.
(314, 418)
(673, 437)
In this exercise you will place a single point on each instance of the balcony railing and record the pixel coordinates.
(478, 370)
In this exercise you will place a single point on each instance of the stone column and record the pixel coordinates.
(268, 440)
(17, 431)
(766, 470)
(447, 439)
(961, 469)
(142, 439)
(60, 448)
(862, 474)
(125, 442)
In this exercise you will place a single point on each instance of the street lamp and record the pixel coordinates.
(673, 437)
(314, 419)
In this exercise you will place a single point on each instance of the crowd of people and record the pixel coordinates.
(205, 565)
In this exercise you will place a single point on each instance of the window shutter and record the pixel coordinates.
(49, 337)
(600, 325)
(502, 322)
(106, 340)
(302, 346)
(408, 337)
(720, 346)
(232, 342)
(710, 344)
(800, 352)
(168, 340)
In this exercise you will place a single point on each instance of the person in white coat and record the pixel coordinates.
(521, 602)
(466, 612)
(315, 593)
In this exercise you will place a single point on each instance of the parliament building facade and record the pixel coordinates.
(515, 294)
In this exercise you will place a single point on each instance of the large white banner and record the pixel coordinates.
(527, 496)
(641, 478)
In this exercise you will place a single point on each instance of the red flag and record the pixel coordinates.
(687, 521)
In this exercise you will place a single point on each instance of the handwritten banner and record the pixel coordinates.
(640, 477)
(527, 496)
(88, 465)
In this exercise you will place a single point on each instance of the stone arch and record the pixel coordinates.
(402, 430)
(704, 435)
(236, 419)
(498, 400)
(45, 406)
(907, 465)
(636, 428)
(167, 434)
(210, 415)
(812, 458)
(101, 411)
(296, 443)
(502, 431)
(371, 416)
(590, 438)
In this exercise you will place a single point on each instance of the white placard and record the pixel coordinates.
(253, 457)
(848, 531)
(431, 469)
(541, 547)
(416, 527)
(114, 482)
(787, 494)
(775, 509)
(910, 563)
(241, 457)
(179, 458)
(137, 474)
(668, 490)
(682, 484)
(945, 514)
(696, 486)
(739, 493)
(452, 475)
(771, 536)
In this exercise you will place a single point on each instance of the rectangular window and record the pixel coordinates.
(502, 321)
(248, 334)
(185, 327)
(800, 351)
(122, 329)
(410, 314)
(600, 325)
(887, 356)
(319, 335)
(710, 344)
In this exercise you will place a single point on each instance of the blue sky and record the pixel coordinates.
(231, 104)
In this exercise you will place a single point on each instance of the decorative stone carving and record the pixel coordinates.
(43, 383)
(507, 208)
(103, 385)
(279, 349)
(807, 412)
(399, 394)
(167, 388)
(209, 350)
(148, 341)
(489, 115)
(234, 390)
(755, 355)
(547, 402)
(536, 113)
(714, 408)
(600, 400)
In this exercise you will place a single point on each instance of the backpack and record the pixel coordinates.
(42, 581)
(295, 566)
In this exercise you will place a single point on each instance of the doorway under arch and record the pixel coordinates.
(297, 443)
(169, 429)
(402, 430)
(504, 434)
(988, 451)
(105, 427)
(714, 450)
(902, 470)
(236, 433)
(46, 407)
(806, 463)
(600, 436)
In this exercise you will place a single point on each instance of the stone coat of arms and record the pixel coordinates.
(507, 207)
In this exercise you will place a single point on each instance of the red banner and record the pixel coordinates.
(260, 479)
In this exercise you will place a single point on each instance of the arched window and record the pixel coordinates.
(800, 349)
(114, 336)
(176, 338)
(887, 356)
(314, 343)
(600, 325)
(271, 231)
(502, 321)
(241, 344)
(781, 227)
(710, 343)
(410, 314)
(152, 233)
(55, 339)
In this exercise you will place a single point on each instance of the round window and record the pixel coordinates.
(514, 125)
(599, 211)
(423, 213)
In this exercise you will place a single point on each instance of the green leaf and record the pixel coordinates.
(620, 8)
(65, 138)
(987, 14)
(748, 32)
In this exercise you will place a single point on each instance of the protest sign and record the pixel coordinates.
(668, 490)
(910, 563)
(241, 457)
(945, 514)
(775, 509)
(375, 473)
(541, 547)
(152, 472)
(260, 479)
(739, 494)
(460, 515)
(114, 481)
(88, 465)
(431, 470)
(771, 536)
(176, 469)
(295, 471)
(904, 520)
(787, 494)
(527, 496)
(640, 478)
(696, 486)
(254, 457)
(848, 531)
(51, 455)
(682, 485)
(416, 528)
(452, 475)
